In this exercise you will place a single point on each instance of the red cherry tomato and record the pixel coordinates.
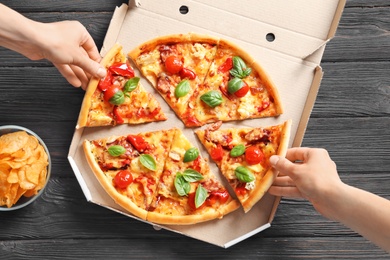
(226, 66)
(253, 155)
(187, 73)
(217, 153)
(117, 116)
(110, 92)
(191, 201)
(221, 196)
(242, 91)
(138, 142)
(240, 190)
(173, 64)
(123, 179)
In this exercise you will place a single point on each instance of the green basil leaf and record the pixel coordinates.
(118, 98)
(116, 150)
(200, 195)
(182, 88)
(131, 84)
(235, 84)
(243, 174)
(182, 186)
(191, 154)
(239, 70)
(148, 161)
(237, 150)
(191, 175)
(212, 98)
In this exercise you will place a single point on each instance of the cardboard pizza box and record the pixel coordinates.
(287, 38)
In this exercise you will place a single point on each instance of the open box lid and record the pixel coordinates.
(301, 30)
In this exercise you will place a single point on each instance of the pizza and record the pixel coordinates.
(242, 155)
(159, 176)
(119, 98)
(206, 79)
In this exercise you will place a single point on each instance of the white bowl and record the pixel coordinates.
(24, 201)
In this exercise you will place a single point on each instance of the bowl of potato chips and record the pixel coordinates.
(25, 167)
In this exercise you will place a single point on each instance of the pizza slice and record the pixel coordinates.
(129, 167)
(235, 88)
(176, 66)
(188, 192)
(119, 98)
(242, 155)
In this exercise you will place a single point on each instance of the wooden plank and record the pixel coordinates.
(152, 248)
(24, 6)
(362, 35)
(354, 90)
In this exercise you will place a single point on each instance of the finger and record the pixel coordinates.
(90, 47)
(284, 181)
(284, 166)
(80, 74)
(68, 74)
(90, 66)
(290, 192)
(297, 153)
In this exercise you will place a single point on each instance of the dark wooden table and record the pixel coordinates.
(351, 118)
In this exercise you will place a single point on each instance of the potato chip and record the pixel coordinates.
(23, 167)
(34, 171)
(12, 142)
(13, 176)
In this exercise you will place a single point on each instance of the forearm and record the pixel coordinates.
(16, 31)
(363, 212)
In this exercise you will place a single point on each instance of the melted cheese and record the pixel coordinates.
(247, 104)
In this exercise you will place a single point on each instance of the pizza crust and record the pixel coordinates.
(194, 218)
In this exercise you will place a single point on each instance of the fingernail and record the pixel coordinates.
(274, 160)
(101, 72)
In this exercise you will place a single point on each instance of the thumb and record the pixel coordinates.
(283, 165)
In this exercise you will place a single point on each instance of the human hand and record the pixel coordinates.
(70, 48)
(307, 173)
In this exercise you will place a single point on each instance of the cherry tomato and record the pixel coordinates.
(253, 155)
(242, 91)
(221, 196)
(191, 201)
(217, 153)
(173, 64)
(117, 116)
(122, 69)
(187, 73)
(240, 190)
(226, 66)
(138, 142)
(123, 179)
(110, 92)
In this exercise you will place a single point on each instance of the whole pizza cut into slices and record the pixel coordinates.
(158, 176)
(242, 155)
(206, 79)
(119, 98)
